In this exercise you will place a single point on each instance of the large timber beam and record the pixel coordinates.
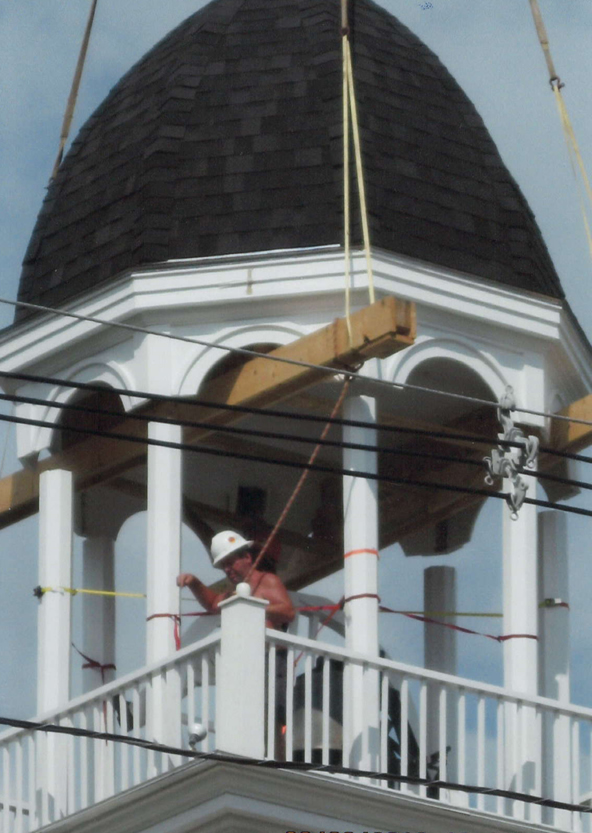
(377, 331)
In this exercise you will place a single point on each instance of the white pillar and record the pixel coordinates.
(360, 537)
(54, 627)
(440, 654)
(520, 610)
(554, 660)
(163, 538)
(55, 570)
(164, 564)
(98, 612)
(240, 678)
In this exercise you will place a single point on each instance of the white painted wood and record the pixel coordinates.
(554, 658)
(423, 733)
(384, 691)
(55, 570)
(440, 651)
(481, 750)
(206, 659)
(240, 681)
(308, 707)
(326, 703)
(360, 541)
(404, 694)
(98, 612)
(163, 539)
(271, 679)
(521, 616)
(290, 707)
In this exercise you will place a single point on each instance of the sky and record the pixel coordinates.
(490, 46)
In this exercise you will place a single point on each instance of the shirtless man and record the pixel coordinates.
(235, 555)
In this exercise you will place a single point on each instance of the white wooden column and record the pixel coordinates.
(521, 615)
(164, 564)
(554, 651)
(98, 612)
(55, 570)
(240, 678)
(54, 628)
(440, 654)
(360, 537)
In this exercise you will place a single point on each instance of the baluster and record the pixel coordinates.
(271, 718)
(290, 707)
(326, 708)
(18, 798)
(99, 752)
(442, 739)
(575, 768)
(206, 659)
(404, 733)
(4, 789)
(42, 749)
(384, 727)
(70, 774)
(124, 750)
(149, 733)
(501, 754)
(535, 811)
(84, 761)
(32, 791)
(423, 734)
(480, 750)
(136, 734)
(308, 707)
(461, 757)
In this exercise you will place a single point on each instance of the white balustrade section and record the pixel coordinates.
(92, 770)
(489, 722)
(304, 722)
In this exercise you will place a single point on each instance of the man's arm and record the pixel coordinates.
(207, 597)
(280, 610)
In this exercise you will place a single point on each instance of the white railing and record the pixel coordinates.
(432, 725)
(48, 776)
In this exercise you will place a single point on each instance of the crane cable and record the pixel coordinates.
(575, 156)
(350, 108)
(71, 104)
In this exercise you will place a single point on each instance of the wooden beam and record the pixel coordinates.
(571, 436)
(377, 331)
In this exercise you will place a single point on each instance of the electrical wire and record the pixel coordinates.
(274, 435)
(201, 449)
(243, 351)
(271, 412)
(301, 766)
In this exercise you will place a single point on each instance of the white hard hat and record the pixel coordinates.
(227, 543)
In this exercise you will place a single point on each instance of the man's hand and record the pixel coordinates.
(186, 580)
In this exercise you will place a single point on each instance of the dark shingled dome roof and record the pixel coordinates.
(227, 137)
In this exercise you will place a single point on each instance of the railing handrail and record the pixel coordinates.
(303, 643)
(104, 691)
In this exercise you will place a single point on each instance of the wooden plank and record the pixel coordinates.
(571, 436)
(377, 331)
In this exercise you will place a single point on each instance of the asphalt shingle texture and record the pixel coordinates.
(227, 137)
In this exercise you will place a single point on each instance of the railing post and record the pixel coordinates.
(361, 710)
(240, 678)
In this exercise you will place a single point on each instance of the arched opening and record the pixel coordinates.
(100, 412)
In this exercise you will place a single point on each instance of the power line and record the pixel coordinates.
(284, 360)
(251, 432)
(271, 412)
(293, 464)
(302, 766)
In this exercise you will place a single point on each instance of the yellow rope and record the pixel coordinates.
(575, 156)
(66, 124)
(74, 590)
(346, 194)
(359, 170)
